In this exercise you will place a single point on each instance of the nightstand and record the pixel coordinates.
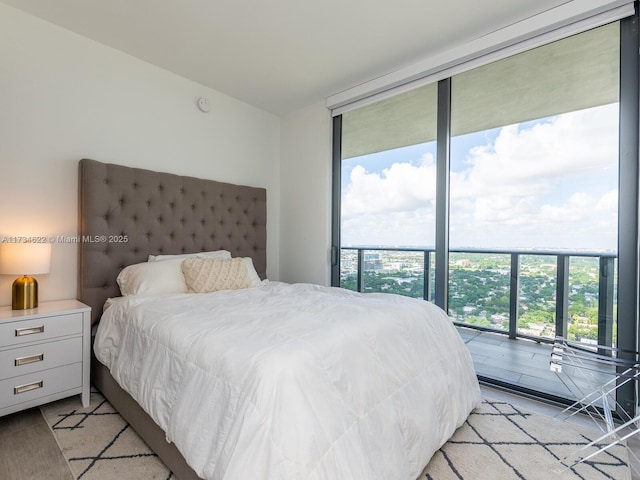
(44, 354)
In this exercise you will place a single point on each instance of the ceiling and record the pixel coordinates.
(282, 55)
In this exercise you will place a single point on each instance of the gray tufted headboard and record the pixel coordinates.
(127, 214)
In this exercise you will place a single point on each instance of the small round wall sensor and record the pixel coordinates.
(203, 105)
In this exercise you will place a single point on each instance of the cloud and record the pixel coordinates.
(527, 161)
(402, 187)
(548, 184)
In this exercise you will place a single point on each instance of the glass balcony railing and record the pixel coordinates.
(531, 294)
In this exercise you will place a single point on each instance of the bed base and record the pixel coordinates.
(142, 423)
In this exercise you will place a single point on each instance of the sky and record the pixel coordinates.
(545, 184)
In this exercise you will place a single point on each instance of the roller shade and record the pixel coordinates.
(406, 119)
(571, 74)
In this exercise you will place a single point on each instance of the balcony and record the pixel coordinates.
(509, 306)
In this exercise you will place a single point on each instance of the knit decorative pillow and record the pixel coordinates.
(204, 275)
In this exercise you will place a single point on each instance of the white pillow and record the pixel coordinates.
(152, 278)
(213, 254)
(204, 275)
(251, 272)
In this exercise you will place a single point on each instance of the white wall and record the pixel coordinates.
(64, 97)
(305, 196)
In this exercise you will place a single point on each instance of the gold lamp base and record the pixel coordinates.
(24, 293)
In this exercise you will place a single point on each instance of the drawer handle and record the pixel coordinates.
(29, 359)
(29, 330)
(27, 388)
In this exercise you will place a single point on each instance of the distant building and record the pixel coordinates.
(372, 262)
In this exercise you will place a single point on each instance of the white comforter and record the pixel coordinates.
(291, 382)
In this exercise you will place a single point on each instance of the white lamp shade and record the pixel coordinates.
(25, 258)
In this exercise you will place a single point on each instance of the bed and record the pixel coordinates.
(290, 381)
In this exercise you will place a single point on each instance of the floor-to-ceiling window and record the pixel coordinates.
(540, 192)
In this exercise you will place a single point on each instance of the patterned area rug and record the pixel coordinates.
(99, 444)
(499, 441)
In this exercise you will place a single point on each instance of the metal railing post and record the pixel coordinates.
(360, 283)
(426, 272)
(514, 293)
(605, 304)
(562, 296)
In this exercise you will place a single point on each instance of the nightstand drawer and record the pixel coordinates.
(36, 329)
(40, 384)
(33, 358)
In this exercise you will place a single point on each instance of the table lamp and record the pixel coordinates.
(24, 259)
